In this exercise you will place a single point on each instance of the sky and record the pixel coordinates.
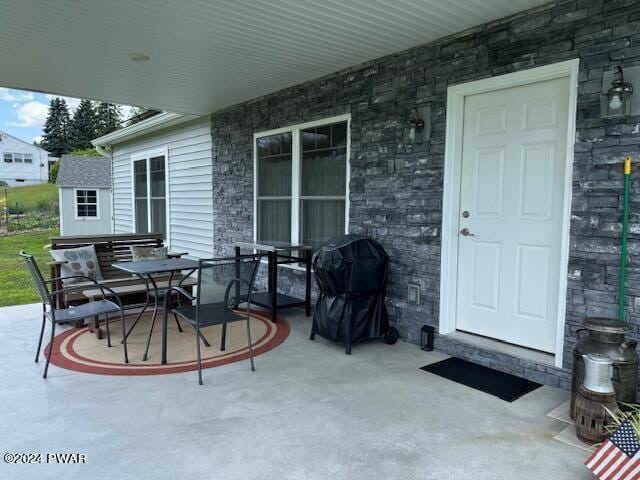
(22, 113)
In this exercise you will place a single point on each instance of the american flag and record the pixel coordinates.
(619, 457)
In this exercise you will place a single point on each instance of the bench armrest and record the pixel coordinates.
(55, 267)
(176, 254)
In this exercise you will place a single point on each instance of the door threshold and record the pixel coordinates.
(503, 347)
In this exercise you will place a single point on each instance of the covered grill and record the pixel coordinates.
(351, 272)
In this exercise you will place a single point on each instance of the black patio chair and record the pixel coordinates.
(224, 284)
(75, 313)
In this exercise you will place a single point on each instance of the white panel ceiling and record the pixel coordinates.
(206, 55)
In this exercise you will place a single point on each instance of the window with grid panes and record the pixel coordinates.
(302, 184)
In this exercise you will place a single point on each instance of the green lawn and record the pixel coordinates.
(16, 287)
(32, 197)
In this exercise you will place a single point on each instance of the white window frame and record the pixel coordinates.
(296, 171)
(75, 203)
(148, 155)
(4, 157)
(27, 156)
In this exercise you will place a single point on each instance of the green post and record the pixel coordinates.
(625, 229)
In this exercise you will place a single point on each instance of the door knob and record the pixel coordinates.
(466, 232)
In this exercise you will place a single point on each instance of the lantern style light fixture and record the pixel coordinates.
(619, 95)
(416, 126)
(427, 334)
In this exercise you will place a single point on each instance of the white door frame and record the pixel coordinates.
(452, 177)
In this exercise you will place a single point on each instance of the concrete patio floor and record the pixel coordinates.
(308, 412)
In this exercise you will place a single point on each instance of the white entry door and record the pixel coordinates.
(512, 185)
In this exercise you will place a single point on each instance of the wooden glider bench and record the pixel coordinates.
(112, 249)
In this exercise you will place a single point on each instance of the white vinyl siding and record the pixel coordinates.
(190, 201)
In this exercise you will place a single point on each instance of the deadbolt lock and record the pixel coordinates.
(465, 214)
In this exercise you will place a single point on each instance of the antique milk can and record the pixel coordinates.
(606, 336)
(595, 399)
(598, 371)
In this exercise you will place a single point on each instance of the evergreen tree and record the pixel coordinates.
(107, 118)
(55, 139)
(83, 126)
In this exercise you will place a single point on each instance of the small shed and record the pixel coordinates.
(84, 193)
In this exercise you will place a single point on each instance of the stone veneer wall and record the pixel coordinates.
(396, 187)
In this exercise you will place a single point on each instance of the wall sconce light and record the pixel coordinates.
(416, 126)
(619, 96)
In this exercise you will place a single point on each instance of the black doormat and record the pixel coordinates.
(502, 385)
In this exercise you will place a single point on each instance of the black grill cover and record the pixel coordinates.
(351, 272)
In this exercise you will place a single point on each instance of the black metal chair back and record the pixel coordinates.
(227, 281)
(38, 279)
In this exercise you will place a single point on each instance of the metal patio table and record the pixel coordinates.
(145, 270)
(279, 253)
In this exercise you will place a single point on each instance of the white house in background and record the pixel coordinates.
(162, 180)
(22, 163)
(84, 193)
